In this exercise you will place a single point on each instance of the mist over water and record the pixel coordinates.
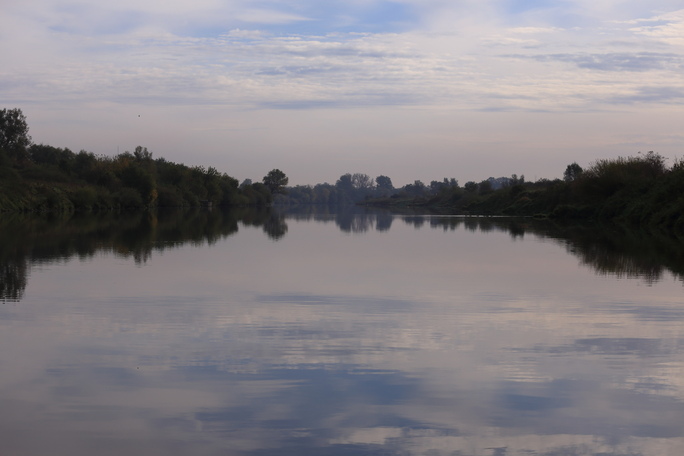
(337, 332)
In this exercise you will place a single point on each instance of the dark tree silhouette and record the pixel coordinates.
(572, 172)
(14, 137)
(275, 181)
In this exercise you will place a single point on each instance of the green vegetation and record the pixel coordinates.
(639, 191)
(38, 177)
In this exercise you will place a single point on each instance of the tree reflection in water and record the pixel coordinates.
(13, 277)
(31, 239)
(607, 249)
(26, 240)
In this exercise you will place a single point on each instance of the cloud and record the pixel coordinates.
(263, 16)
(472, 56)
(622, 61)
(668, 27)
(650, 95)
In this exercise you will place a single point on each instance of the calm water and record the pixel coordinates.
(208, 333)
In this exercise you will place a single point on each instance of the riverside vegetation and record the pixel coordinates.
(640, 191)
(38, 177)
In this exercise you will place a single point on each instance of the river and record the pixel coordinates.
(324, 332)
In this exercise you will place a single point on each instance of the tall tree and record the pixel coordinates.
(572, 172)
(345, 183)
(14, 137)
(384, 182)
(362, 181)
(276, 181)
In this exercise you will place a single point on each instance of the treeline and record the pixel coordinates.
(44, 177)
(638, 190)
(353, 188)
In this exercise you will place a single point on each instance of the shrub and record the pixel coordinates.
(169, 197)
(129, 197)
(606, 176)
(84, 198)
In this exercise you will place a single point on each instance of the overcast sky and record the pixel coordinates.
(412, 89)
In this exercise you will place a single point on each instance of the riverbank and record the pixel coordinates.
(637, 191)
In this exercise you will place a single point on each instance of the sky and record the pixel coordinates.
(411, 89)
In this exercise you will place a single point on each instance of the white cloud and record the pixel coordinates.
(669, 28)
(259, 16)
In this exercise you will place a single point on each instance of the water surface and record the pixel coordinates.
(257, 333)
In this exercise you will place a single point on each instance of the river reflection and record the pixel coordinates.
(337, 333)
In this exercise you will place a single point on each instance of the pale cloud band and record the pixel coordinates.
(170, 53)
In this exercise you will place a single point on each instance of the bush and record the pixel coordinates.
(84, 198)
(569, 211)
(169, 197)
(128, 197)
(605, 177)
(44, 173)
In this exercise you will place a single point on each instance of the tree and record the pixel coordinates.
(437, 186)
(485, 186)
(345, 183)
(384, 182)
(142, 154)
(417, 188)
(470, 187)
(572, 172)
(14, 137)
(275, 181)
(362, 181)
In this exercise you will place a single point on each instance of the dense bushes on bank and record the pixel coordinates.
(46, 178)
(59, 179)
(639, 190)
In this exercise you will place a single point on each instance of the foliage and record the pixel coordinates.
(44, 177)
(14, 136)
(572, 172)
(276, 181)
(470, 186)
(638, 190)
(384, 183)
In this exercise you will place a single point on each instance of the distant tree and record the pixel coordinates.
(362, 181)
(345, 182)
(436, 186)
(276, 181)
(48, 155)
(470, 186)
(142, 154)
(245, 183)
(417, 188)
(510, 181)
(14, 137)
(263, 195)
(485, 186)
(384, 183)
(572, 172)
